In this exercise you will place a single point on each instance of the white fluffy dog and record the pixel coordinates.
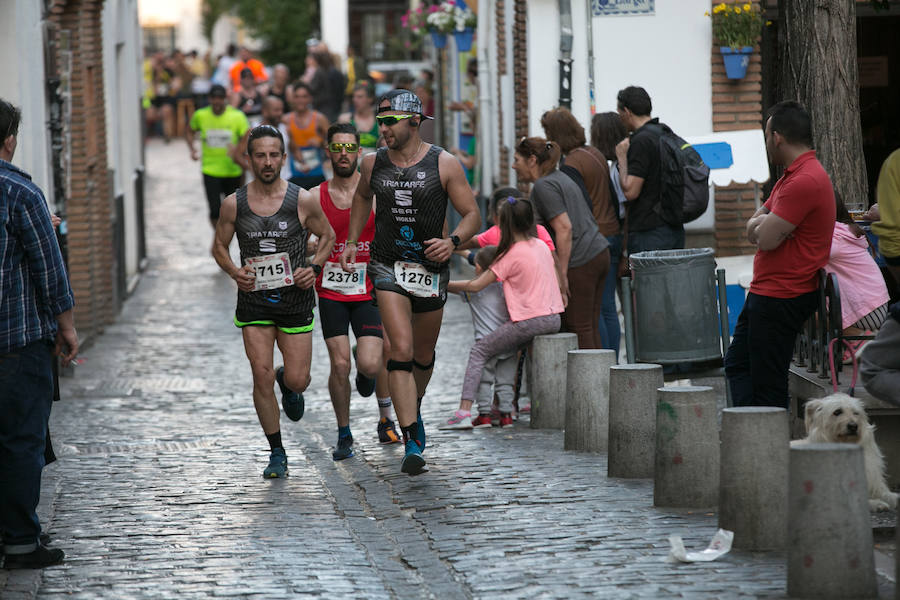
(842, 418)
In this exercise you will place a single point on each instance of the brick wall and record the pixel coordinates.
(737, 104)
(88, 207)
(520, 70)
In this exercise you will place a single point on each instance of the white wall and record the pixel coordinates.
(335, 25)
(667, 53)
(22, 82)
(122, 86)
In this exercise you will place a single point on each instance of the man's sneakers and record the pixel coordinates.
(413, 463)
(364, 385)
(40, 557)
(387, 433)
(481, 421)
(278, 467)
(344, 448)
(291, 402)
(459, 420)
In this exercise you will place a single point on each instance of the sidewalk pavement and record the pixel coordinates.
(158, 491)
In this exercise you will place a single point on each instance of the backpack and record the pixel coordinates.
(683, 179)
(575, 176)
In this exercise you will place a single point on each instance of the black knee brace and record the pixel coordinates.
(400, 365)
(422, 367)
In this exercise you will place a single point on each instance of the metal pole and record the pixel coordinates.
(723, 326)
(590, 41)
(486, 120)
(439, 123)
(629, 319)
(565, 49)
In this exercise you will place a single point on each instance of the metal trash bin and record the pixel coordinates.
(676, 313)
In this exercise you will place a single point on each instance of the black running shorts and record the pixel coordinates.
(286, 323)
(338, 316)
(383, 278)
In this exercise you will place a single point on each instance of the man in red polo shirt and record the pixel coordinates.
(792, 232)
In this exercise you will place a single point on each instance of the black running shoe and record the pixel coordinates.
(40, 557)
(364, 385)
(344, 448)
(387, 433)
(291, 402)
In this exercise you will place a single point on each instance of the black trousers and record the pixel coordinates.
(758, 360)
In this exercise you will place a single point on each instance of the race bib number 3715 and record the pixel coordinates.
(417, 280)
(272, 271)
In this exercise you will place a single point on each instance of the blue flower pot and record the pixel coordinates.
(736, 61)
(464, 39)
(439, 39)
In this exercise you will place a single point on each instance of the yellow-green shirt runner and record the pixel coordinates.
(217, 132)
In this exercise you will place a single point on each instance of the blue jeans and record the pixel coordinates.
(758, 360)
(610, 332)
(660, 238)
(26, 392)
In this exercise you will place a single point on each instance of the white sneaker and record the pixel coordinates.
(459, 420)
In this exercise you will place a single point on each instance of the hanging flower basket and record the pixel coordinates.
(464, 39)
(438, 39)
(736, 61)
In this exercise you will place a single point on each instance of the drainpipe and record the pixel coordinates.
(565, 50)
(590, 48)
(486, 118)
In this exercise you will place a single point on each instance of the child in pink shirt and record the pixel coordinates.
(491, 236)
(531, 288)
(864, 294)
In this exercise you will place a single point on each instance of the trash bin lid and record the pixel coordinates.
(657, 258)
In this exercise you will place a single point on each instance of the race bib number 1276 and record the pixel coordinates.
(417, 280)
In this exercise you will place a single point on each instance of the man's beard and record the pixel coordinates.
(344, 171)
(267, 177)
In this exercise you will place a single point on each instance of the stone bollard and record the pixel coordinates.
(548, 379)
(830, 547)
(753, 476)
(632, 419)
(686, 470)
(896, 564)
(587, 400)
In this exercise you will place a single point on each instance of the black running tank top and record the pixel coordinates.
(281, 232)
(410, 207)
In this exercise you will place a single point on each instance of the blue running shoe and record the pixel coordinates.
(344, 448)
(421, 437)
(413, 463)
(277, 465)
(291, 401)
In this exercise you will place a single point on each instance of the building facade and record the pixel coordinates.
(76, 77)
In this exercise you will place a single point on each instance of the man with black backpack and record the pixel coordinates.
(662, 177)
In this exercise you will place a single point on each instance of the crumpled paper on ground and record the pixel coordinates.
(720, 545)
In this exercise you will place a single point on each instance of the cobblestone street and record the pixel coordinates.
(158, 491)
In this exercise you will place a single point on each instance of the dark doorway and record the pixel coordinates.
(878, 50)
(878, 45)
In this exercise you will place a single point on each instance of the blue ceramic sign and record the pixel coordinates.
(606, 8)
